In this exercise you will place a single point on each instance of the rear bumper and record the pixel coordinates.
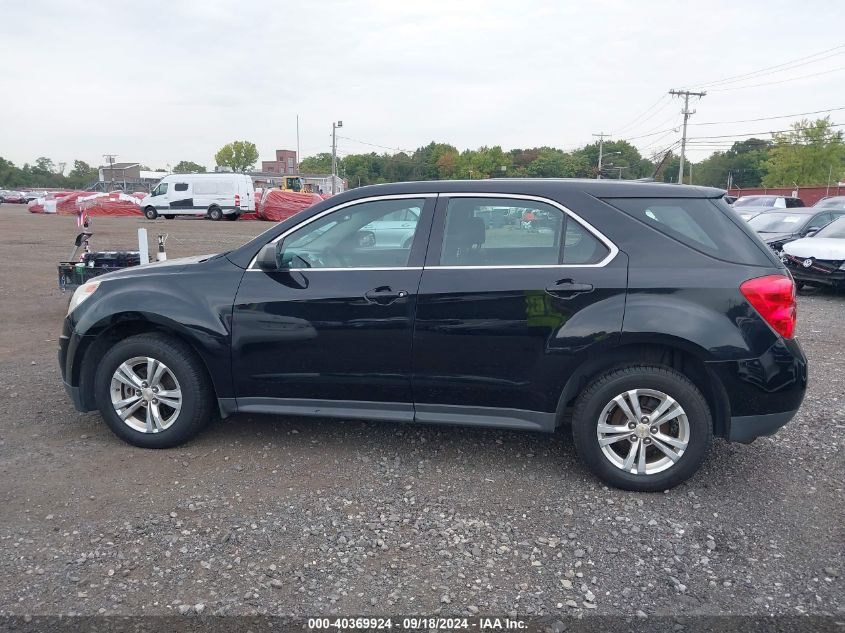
(763, 393)
(747, 428)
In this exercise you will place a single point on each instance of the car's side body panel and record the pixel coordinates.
(479, 345)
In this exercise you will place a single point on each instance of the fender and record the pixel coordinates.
(191, 304)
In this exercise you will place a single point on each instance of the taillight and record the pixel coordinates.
(237, 200)
(773, 297)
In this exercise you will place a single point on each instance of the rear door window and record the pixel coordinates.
(700, 223)
(504, 232)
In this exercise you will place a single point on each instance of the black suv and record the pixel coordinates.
(648, 314)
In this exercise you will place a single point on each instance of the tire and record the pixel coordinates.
(232, 217)
(694, 425)
(150, 213)
(183, 373)
(215, 213)
(169, 216)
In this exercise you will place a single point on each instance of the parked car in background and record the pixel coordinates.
(819, 259)
(13, 197)
(394, 230)
(777, 228)
(29, 196)
(469, 322)
(751, 206)
(831, 202)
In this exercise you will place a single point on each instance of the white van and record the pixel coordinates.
(217, 195)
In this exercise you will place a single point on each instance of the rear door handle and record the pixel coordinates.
(568, 288)
(384, 295)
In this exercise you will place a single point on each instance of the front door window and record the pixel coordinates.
(360, 236)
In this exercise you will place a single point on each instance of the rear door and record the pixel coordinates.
(508, 309)
(332, 333)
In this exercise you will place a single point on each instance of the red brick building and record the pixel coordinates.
(285, 163)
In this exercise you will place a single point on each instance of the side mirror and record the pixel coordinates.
(811, 231)
(268, 259)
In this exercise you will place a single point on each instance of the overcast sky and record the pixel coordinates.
(159, 82)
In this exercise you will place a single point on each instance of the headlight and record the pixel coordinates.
(81, 294)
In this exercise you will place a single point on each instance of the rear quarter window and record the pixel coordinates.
(700, 223)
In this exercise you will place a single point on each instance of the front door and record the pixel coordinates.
(332, 333)
(508, 308)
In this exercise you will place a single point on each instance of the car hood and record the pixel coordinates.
(775, 237)
(817, 247)
(169, 266)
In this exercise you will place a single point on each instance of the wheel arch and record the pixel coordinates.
(91, 355)
(682, 358)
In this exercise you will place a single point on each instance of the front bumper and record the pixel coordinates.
(834, 279)
(75, 397)
(69, 354)
(819, 272)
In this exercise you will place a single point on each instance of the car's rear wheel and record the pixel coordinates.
(642, 428)
(215, 213)
(153, 391)
(150, 213)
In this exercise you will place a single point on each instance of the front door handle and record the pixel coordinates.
(566, 288)
(384, 295)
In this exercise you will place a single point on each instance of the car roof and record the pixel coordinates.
(539, 187)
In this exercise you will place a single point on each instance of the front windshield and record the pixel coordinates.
(755, 201)
(779, 222)
(831, 203)
(835, 229)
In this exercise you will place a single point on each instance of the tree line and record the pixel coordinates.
(810, 153)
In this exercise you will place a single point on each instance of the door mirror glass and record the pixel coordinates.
(811, 231)
(268, 257)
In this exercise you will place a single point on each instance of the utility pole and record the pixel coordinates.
(335, 125)
(686, 94)
(601, 136)
(297, 145)
(110, 158)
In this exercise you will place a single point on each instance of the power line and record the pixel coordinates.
(647, 110)
(780, 70)
(655, 130)
(355, 140)
(767, 68)
(793, 129)
(782, 81)
(769, 118)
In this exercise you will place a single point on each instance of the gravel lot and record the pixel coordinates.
(304, 517)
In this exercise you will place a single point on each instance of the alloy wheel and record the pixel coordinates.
(643, 431)
(146, 395)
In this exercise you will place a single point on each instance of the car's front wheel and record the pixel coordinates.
(150, 213)
(642, 428)
(153, 391)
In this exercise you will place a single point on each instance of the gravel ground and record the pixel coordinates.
(306, 517)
